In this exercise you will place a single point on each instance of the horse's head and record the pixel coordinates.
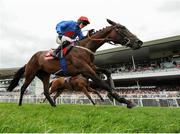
(121, 35)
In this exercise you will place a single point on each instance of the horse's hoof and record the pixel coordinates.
(53, 105)
(131, 105)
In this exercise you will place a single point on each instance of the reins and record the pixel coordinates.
(101, 39)
(84, 48)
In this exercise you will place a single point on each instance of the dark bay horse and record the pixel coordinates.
(79, 61)
(76, 83)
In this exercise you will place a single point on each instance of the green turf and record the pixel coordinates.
(41, 118)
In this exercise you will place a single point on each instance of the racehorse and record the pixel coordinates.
(76, 83)
(79, 61)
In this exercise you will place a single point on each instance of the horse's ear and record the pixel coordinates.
(111, 22)
(91, 31)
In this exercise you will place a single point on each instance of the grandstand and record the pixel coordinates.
(150, 76)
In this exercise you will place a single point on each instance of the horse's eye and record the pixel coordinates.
(118, 26)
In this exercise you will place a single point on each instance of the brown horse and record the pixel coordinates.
(79, 61)
(76, 83)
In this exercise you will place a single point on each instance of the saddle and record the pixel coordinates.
(61, 57)
(66, 49)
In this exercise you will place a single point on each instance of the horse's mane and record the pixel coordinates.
(100, 30)
(94, 32)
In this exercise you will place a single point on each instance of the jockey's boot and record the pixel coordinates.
(65, 44)
(56, 52)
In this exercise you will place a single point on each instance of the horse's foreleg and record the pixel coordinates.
(108, 75)
(91, 74)
(114, 95)
(129, 103)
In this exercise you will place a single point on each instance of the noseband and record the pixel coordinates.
(128, 42)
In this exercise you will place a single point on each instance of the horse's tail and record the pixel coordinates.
(16, 78)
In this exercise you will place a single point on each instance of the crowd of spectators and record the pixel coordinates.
(135, 92)
(153, 91)
(163, 91)
(156, 64)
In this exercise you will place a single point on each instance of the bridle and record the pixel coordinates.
(109, 40)
(106, 39)
(101, 39)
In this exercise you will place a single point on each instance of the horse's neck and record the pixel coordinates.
(93, 44)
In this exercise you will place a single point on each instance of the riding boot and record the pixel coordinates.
(56, 51)
(65, 44)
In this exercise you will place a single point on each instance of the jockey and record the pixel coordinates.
(68, 31)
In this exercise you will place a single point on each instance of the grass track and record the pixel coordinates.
(40, 118)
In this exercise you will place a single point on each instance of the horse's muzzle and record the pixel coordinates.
(137, 44)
